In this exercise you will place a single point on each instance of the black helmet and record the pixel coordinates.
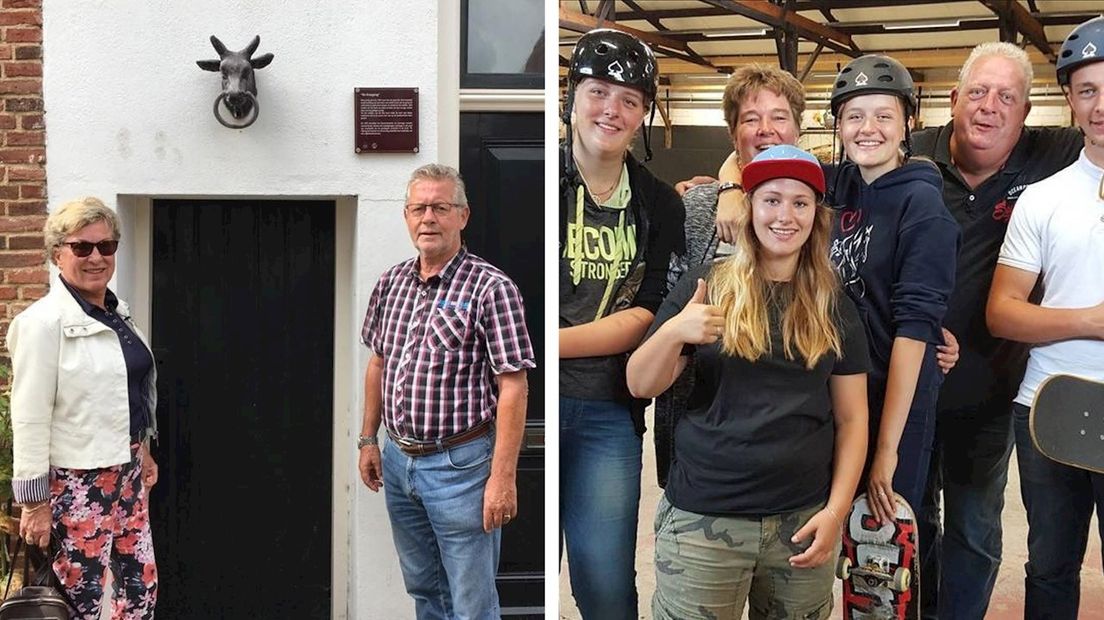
(617, 57)
(873, 73)
(1084, 45)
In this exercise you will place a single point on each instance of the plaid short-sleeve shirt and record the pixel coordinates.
(443, 340)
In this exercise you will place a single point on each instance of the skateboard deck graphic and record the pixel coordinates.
(878, 563)
(1067, 421)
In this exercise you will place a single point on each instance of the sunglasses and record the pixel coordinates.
(81, 249)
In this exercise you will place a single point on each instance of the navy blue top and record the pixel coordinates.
(894, 244)
(139, 360)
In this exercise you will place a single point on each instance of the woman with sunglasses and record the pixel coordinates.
(82, 410)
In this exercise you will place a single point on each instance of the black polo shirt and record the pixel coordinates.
(139, 360)
(990, 369)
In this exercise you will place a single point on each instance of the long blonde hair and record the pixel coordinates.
(738, 284)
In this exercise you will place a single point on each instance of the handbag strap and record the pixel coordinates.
(11, 570)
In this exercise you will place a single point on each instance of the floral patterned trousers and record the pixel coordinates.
(101, 517)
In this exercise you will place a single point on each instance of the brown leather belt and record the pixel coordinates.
(414, 447)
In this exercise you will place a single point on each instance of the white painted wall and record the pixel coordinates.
(128, 117)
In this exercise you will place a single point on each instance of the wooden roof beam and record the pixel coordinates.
(1026, 23)
(778, 17)
(578, 22)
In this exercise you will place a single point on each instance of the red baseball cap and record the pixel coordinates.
(783, 161)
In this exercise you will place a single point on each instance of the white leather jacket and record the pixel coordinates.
(69, 402)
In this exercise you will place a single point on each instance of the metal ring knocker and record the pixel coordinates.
(249, 119)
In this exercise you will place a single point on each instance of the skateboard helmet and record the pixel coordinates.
(616, 57)
(783, 161)
(1083, 46)
(874, 73)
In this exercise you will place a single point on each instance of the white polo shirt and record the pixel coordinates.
(1057, 230)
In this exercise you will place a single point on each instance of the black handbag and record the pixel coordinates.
(41, 599)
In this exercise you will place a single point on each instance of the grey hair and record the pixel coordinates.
(440, 172)
(73, 216)
(1005, 50)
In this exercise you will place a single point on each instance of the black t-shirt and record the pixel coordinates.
(758, 437)
(989, 370)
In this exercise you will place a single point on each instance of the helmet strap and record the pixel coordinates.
(648, 133)
(908, 139)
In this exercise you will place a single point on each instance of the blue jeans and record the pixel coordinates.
(914, 450)
(970, 468)
(1059, 501)
(599, 504)
(435, 503)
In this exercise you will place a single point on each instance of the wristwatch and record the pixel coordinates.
(727, 185)
(367, 440)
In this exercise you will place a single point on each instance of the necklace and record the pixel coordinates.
(596, 195)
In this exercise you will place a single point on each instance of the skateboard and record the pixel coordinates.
(879, 563)
(1067, 421)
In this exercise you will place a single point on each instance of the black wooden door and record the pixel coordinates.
(243, 334)
(502, 160)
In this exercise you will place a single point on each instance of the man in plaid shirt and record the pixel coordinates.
(447, 379)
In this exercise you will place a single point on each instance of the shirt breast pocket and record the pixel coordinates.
(447, 328)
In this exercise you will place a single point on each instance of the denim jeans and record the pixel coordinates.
(1059, 500)
(914, 450)
(599, 505)
(435, 503)
(970, 469)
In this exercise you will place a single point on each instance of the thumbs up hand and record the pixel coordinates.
(699, 322)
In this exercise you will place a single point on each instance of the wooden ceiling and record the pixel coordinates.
(699, 42)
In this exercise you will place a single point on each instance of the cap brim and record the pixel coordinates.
(758, 172)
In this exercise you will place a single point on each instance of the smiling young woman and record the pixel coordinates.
(619, 228)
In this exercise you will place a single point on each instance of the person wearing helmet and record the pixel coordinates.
(1054, 240)
(770, 449)
(894, 246)
(619, 227)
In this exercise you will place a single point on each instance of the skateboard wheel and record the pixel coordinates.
(843, 567)
(901, 579)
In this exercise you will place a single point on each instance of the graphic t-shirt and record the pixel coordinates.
(599, 253)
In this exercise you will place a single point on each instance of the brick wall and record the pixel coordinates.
(23, 273)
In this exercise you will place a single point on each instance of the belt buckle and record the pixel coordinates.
(411, 447)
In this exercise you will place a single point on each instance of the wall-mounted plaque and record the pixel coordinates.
(386, 120)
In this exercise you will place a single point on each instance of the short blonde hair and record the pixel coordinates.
(73, 216)
(1004, 50)
(752, 78)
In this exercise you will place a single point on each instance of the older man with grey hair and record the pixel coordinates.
(987, 157)
(447, 378)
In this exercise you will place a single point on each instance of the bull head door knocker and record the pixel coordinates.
(239, 86)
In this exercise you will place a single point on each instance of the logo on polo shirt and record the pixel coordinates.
(1002, 211)
(1088, 51)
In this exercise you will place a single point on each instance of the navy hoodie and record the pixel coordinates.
(894, 245)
